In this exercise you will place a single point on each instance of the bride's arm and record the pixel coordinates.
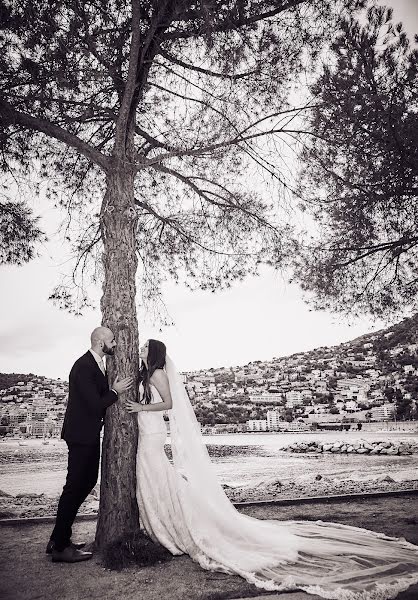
(159, 380)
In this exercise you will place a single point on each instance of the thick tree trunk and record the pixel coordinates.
(118, 511)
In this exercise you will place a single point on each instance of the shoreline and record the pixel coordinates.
(28, 505)
(310, 479)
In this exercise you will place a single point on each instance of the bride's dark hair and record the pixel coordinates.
(156, 360)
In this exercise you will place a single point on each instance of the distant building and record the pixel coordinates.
(294, 426)
(320, 408)
(351, 406)
(227, 428)
(321, 387)
(257, 425)
(204, 378)
(17, 416)
(266, 397)
(354, 384)
(372, 373)
(255, 376)
(240, 377)
(295, 396)
(353, 389)
(396, 351)
(274, 418)
(36, 428)
(57, 427)
(39, 412)
(383, 413)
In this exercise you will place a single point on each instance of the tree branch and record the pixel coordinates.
(370, 250)
(203, 193)
(237, 23)
(140, 61)
(173, 224)
(110, 68)
(210, 147)
(125, 109)
(13, 116)
(181, 63)
(151, 140)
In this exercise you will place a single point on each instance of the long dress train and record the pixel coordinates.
(184, 508)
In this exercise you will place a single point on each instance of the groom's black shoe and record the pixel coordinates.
(70, 555)
(51, 545)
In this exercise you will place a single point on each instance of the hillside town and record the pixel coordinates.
(371, 379)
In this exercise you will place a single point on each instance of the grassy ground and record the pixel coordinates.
(28, 574)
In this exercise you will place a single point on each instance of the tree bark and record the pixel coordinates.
(118, 510)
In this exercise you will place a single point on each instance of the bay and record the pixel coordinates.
(38, 468)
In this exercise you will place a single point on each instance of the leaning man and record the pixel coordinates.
(88, 398)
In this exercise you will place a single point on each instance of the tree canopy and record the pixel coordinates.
(360, 178)
(19, 233)
(201, 85)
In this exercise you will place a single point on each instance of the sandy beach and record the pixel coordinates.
(250, 468)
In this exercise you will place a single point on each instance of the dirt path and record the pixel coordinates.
(28, 574)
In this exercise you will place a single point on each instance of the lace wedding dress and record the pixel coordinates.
(184, 508)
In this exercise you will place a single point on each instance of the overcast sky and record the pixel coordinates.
(256, 320)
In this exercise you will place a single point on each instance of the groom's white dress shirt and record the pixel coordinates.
(100, 362)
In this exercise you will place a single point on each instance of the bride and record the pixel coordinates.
(184, 508)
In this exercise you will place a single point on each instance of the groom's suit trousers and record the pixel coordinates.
(89, 397)
(83, 469)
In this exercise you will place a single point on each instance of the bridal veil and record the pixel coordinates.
(328, 559)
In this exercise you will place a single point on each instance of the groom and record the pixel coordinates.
(88, 398)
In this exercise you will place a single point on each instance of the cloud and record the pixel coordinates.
(26, 338)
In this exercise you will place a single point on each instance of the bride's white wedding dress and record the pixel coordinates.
(183, 507)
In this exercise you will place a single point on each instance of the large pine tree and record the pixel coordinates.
(149, 114)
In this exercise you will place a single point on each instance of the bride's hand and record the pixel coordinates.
(133, 407)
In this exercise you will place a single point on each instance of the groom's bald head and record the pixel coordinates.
(103, 340)
(100, 334)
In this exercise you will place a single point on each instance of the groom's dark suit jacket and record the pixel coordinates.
(88, 398)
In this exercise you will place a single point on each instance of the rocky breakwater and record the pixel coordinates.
(357, 447)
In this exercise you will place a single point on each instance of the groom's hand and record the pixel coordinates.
(123, 385)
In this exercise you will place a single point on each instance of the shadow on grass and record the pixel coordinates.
(134, 549)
